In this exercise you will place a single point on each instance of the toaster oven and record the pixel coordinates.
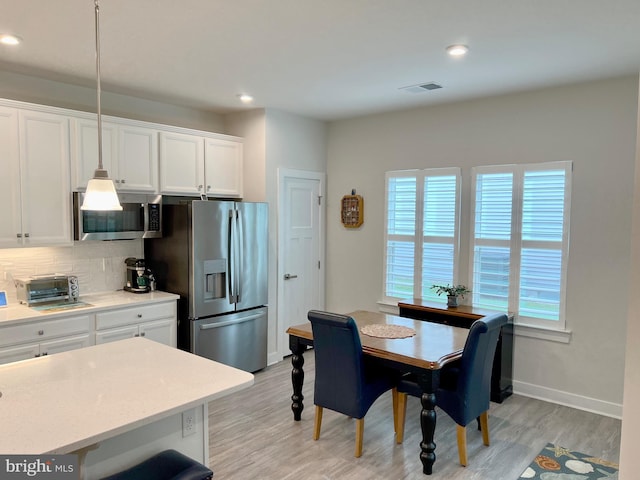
(47, 289)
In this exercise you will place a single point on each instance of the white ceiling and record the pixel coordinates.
(325, 59)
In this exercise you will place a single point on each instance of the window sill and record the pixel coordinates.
(532, 331)
(521, 330)
(386, 307)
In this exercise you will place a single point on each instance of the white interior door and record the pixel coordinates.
(301, 249)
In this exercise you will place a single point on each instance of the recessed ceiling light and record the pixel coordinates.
(8, 39)
(245, 98)
(457, 50)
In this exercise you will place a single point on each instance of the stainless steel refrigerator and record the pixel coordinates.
(214, 255)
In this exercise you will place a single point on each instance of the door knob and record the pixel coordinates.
(288, 276)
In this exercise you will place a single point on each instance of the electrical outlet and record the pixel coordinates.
(189, 422)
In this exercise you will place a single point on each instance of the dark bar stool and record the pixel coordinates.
(167, 465)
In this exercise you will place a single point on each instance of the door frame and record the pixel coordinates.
(283, 175)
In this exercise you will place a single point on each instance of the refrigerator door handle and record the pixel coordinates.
(248, 318)
(240, 259)
(232, 257)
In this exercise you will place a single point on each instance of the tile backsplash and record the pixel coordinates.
(99, 266)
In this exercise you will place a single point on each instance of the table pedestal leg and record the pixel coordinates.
(428, 424)
(429, 384)
(297, 379)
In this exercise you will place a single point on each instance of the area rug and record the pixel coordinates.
(557, 463)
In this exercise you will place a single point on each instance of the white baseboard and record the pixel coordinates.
(580, 402)
(274, 357)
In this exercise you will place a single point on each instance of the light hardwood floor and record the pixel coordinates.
(252, 435)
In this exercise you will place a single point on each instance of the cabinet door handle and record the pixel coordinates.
(122, 181)
(199, 187)
(142, 334)
(26, 235)
(40, 332)
(208, 187)
(139, 315)
(19, 235)
(136, 335)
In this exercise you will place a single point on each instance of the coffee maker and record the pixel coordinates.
(139, 278)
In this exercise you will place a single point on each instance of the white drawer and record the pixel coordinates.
(36, 331)
(134, 315)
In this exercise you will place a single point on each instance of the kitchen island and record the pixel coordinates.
(118, 403)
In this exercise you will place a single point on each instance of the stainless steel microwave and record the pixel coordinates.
(140, 217)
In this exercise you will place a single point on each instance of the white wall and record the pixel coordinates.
(47, 92)
(631, 414)
(592, 124)
(251, 126)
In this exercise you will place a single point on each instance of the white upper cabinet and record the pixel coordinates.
(138, 158)
(48, 152)
(44, 168)
(84, 156)
(223, 167)
(35, 153)
(197, 164)
(129, 154)
(11, 223)
(181, 163)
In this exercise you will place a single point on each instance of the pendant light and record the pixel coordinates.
(101, 192)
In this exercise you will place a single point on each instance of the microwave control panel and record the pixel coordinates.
(154, 217)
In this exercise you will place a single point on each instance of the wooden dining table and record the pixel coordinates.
(422, 354)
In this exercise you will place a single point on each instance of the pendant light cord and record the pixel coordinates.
(98, 84)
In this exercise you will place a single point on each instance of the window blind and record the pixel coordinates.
(520, 240)
(421, 235)
(400, 244)
(439, 231)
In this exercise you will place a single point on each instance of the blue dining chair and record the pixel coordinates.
(465, 384)
(346, 382)
(166, 465)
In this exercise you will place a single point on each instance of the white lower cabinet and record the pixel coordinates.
(157, 322)
(38, 338)
(65, 344)
(23, 352)
(115, 334)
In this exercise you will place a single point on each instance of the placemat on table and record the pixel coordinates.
(384, 330)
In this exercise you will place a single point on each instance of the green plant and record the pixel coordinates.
(451, 290)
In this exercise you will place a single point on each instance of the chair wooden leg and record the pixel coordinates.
(359, 436)
(401, 415)
(394, 397)
(462, 445)
(484, 425)
(317, 423)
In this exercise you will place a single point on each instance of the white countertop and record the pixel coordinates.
(60, 403)
(16, 313)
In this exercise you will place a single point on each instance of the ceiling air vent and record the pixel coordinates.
(421, 87)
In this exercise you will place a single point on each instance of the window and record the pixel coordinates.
(422, 231)
(520, 240)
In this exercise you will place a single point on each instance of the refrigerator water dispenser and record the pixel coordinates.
(215, 278)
